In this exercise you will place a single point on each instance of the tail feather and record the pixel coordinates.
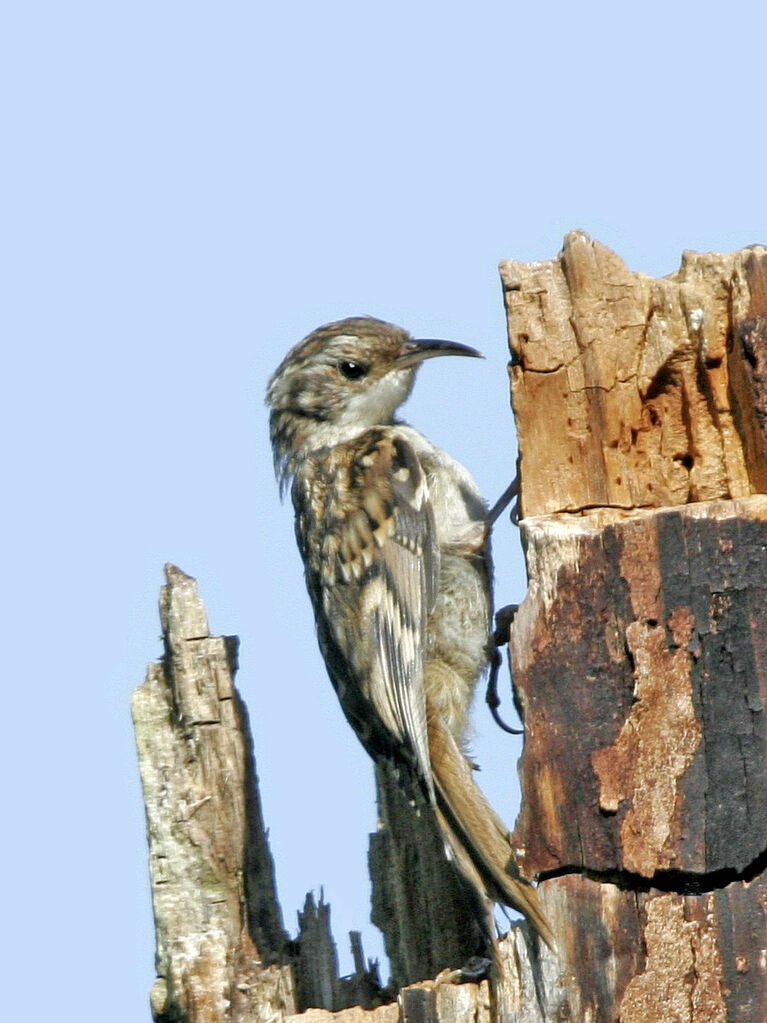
(477, 834)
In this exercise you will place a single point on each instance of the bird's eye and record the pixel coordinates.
(352, 370)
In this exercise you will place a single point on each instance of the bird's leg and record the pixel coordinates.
(504, 617)
(503, 620)
(477, 536)
(503, 502)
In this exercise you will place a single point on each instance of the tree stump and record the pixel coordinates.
(640, 665)
(640, 651)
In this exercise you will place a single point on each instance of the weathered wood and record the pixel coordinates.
(222, 951)
(315, 962)
(640, 957)
(640, 660)
(426, 1002)
(383, 1014)
(447, 1003)
(640, 650)
(317, 980)
(633, 392)
(218, 922)
(430, 917)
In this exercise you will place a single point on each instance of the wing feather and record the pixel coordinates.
(366, 530)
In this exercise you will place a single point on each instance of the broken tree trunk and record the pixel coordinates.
(640, 661)
(218, 924)
(640, 652)
(222, 955)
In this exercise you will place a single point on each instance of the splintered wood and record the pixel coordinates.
(640, 651)
(640, 663)
(634, 392)
(217, 919)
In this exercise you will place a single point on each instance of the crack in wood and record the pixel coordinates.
(672, 881)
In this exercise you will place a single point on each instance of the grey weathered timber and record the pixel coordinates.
(218, 922)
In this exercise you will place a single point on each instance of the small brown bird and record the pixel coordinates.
(394, 537)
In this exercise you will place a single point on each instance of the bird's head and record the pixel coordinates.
(341, 380)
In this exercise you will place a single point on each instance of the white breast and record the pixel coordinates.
(459, 511)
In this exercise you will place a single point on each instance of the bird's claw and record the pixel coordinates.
(473, 970)
(503, 619)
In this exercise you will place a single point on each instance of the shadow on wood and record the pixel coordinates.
(640, 665)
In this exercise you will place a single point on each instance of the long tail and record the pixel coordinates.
(477, 835)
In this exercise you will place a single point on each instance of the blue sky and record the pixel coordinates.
(188, 190)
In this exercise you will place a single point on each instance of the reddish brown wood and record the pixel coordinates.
(644, 956)
(643, 677)
(631, 391)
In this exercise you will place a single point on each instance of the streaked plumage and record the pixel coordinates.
(393, 533)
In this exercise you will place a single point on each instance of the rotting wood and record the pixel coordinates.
(222, 953)
(640, 650)
(428, 914)
(640, 656)
(636, 392)
(315, 962)
(217, 919)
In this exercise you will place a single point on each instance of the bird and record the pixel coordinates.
(394, 536)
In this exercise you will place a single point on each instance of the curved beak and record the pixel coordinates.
(416, 350)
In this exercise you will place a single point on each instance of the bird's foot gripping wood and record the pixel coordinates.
(503, 619)
(474, 970)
